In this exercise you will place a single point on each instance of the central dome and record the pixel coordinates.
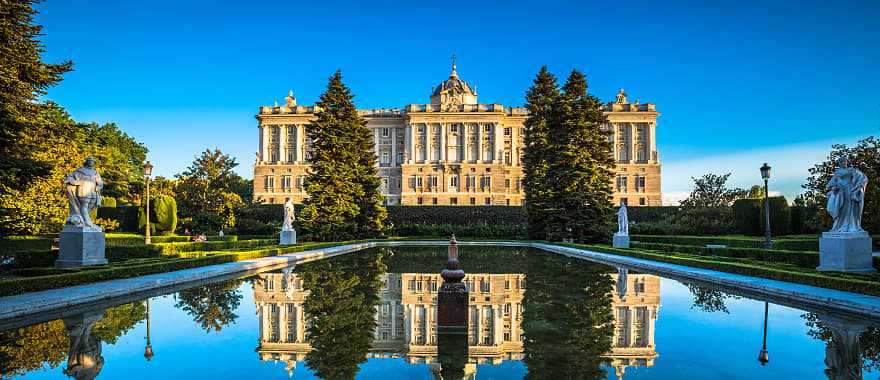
(453, 90)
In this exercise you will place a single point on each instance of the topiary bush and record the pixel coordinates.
(746, 214)
(780, 216)
(163, 215)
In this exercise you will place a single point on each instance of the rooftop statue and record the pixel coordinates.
(83, 194)
(846, 197)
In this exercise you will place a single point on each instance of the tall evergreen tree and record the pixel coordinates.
(23, 78)
(540, 99)
(580, 164)
(344, 200)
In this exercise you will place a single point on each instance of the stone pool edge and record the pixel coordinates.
(23, 305)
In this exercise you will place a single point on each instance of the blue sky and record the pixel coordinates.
(738, 83)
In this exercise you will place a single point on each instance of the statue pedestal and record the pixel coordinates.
(621, 240)
(288, 237)
(79, 246)
(452, 308)
(846, 252)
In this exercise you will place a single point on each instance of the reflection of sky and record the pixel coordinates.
(692, 344)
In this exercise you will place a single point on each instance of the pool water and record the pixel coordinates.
(372, 315)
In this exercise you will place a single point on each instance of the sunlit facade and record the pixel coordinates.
(451, 151)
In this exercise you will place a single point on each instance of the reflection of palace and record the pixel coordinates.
(407, 318)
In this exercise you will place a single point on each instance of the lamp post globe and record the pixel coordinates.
(768, 238)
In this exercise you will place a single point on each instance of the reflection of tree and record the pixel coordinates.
(869, 340)
(342, 300)
(211, 306)
(708, 299)
(29, 348)
(566, 318)
(119, 320)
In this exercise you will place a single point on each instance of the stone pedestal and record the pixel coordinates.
(79, 246)
(845, 252)
(288, 237)
(452, 308)
(621, 240)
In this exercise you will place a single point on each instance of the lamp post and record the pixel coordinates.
(763, 355)
(148, 170)
(148, 350)
(765, 174)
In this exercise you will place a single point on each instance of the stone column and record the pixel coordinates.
(264, 323)
(443, 142)
(652, 317)
(480, 317)
(298, 144)
(429, 148)
(497, 143)
(376, 132)
(300, 324)
(411, 144)
(615, 153)
(464, 142)
(282, 144)
(497, 323)
(479, 143)
(652, 142)
(393, 147)
(264, 143)
(514, 325)
(393, 310)
(282, 322)
(633, 157)
(514, 153)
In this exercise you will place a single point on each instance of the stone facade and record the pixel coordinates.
(452, 151)
(407, 319)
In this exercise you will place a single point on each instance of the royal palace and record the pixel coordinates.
(451, 151)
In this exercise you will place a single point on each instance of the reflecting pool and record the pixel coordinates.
(372, 315)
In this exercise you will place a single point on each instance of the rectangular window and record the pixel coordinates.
(453, 181)
(488, 201)
(453, 128)
(269, 182)
(487, 128)
(507, 131)
(419, 181)
(412, 182)
(625, 201)
(640, 182)
(386, 159)
(433, 201)
(399, 158)
(473, 201)
(411, 286)
(506, 184)
(385, 132)
(641, 202)
(621, 183)
(453, 201)
(420, 201)
(421, 128)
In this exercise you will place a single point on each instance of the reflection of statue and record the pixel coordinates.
(846, 197)
(843, 356)
(289, 216)
(622, 279)
(83, 194)
(84, 360)
(622, 220)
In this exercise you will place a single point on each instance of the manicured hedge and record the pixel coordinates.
(10, 244)
(177, 248)
(747, 215)
(163, 215)
(87, 275)
(456, 215)
(801, 259)
(846, 282)
(789, 244)
(467, 231)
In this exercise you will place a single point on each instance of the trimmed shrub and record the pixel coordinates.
(472, 231)
(456, 215)
(11, 244)
(855, 283)
(806, 220)
(110, 213)
(801, 259)
(176, 248)
(790, 244)
(747, 215)
(32, 259)
(163, 215)
(780, 216)
(128, 218)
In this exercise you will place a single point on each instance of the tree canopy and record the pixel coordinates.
(344, 200)
(205, 192)
(711, 190)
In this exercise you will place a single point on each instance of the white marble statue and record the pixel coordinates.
(622, 220)
(83, 194)
(289, 216)
(846, 197)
